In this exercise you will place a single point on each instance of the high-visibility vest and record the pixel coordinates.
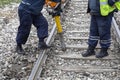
(105, 8)
(117, 4)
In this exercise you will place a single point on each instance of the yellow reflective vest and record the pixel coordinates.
(105, 8)
(117, 4)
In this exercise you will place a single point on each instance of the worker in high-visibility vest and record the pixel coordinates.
(101, 12)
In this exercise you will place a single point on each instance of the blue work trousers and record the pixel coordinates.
(26, 20)
(100, 31)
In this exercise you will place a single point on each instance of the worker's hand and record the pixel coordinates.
(55, 11)
(51, 3)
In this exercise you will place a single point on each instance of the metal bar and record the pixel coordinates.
(116, 28)
(39, 60)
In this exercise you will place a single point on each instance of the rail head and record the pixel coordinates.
(116, 29)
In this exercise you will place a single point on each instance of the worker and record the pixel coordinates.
(29, 12)
(101, 12)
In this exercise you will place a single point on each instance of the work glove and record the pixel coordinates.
(54, 10)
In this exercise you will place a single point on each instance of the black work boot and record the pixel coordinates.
(19, 49)
(103, 52)
(43, 45)
(90, 51)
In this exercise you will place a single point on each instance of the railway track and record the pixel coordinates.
(55, 64)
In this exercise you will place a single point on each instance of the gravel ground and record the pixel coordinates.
(17, 67)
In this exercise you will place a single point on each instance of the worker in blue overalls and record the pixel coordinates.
(99, 27)
(30, 13)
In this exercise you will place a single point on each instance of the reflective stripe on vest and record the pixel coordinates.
(105, 9)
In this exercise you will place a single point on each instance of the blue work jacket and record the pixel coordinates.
(33, 6)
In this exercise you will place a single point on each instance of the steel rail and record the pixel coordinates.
(116, 29)
(37, 69)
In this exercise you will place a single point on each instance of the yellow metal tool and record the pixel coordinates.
(60, 32)
(54, 8)
(58, 24)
